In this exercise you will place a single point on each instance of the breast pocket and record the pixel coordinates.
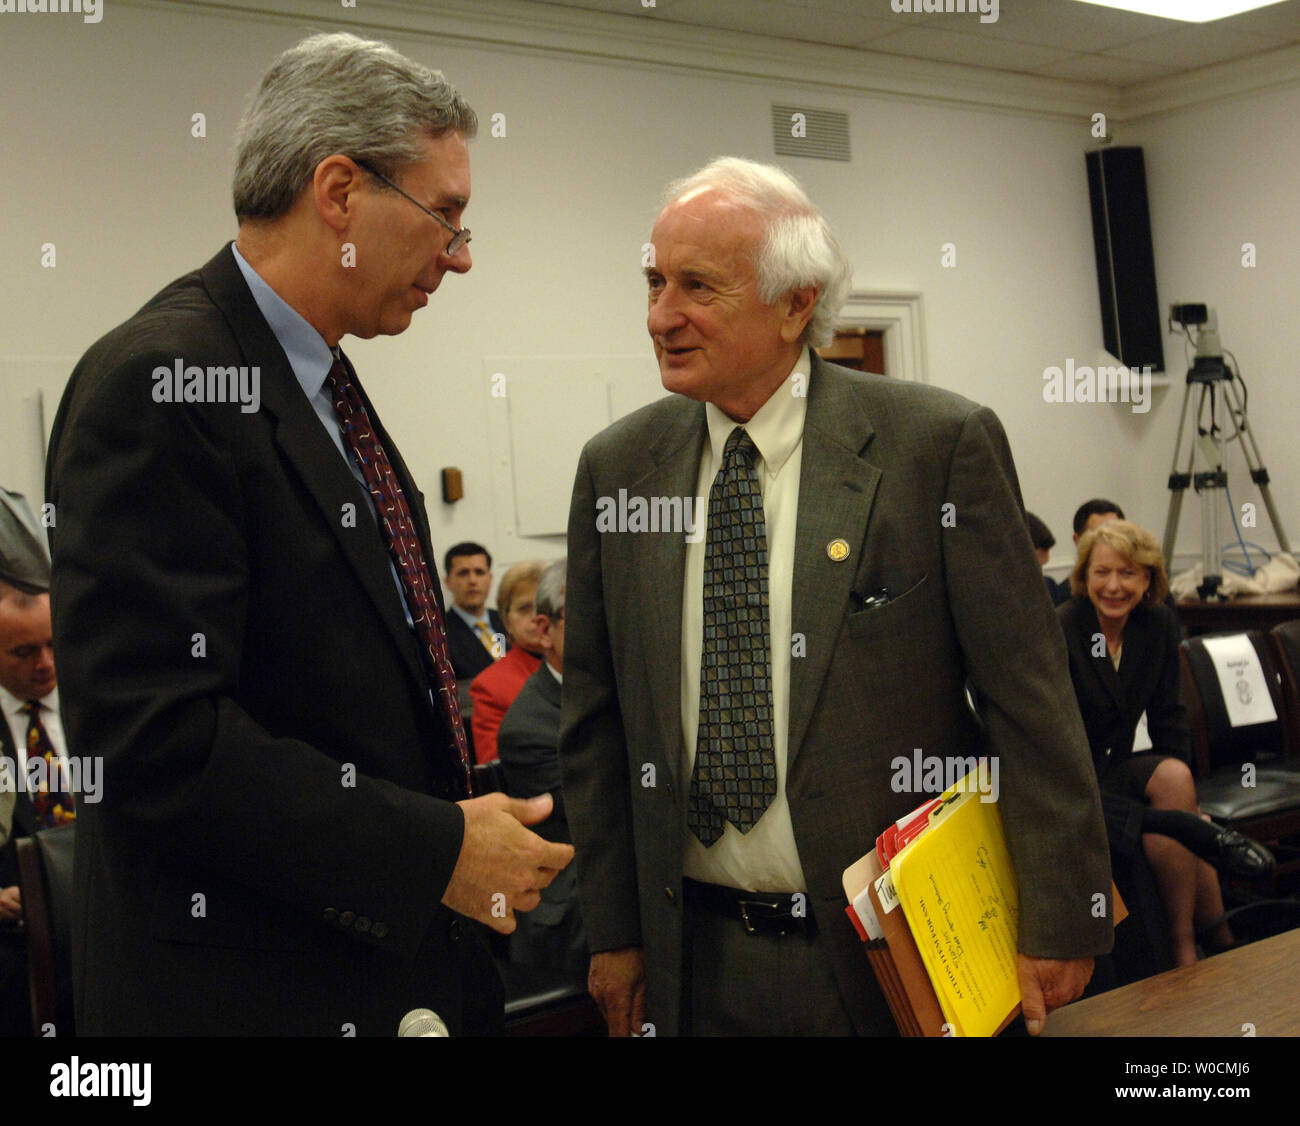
(883, 621)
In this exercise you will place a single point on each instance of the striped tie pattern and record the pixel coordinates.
(405, 549)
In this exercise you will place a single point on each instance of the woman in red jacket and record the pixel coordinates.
(495, 688)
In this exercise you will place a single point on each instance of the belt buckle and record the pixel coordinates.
(745, 904)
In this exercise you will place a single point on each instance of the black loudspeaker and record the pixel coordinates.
(1126, 265)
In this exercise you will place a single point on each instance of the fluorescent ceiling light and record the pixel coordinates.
(1191, 11)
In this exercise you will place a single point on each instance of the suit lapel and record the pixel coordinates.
(547, 685)
(24, 816)
(837, 487)
(307, 447)
(660, 563)
(1103, 667)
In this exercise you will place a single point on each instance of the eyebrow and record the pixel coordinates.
(698, 273)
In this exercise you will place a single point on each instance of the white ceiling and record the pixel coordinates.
(1048, 38)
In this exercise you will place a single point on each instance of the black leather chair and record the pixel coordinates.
(1268, 810)
(45, 881)
(1286, 648)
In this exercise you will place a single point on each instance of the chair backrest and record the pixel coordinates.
(1286, 648)
(45, 880)
(1215, 741)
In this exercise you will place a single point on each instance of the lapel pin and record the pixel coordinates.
(838, 550)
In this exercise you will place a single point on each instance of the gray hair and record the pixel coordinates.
(20, 599)
(798, 247)
(550, 590)
(337, 94)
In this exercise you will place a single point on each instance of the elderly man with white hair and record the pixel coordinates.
(734, 696)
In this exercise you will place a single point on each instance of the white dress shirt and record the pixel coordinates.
(17, 719)
(765, 858)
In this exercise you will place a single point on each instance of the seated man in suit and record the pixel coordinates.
(550, 936)
(475, 634)
(30, 708)
(1093, 513)
(1040, 535)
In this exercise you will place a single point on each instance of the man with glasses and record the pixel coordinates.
(288, 841)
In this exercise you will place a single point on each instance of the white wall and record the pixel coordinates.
(1219, 177)
(102, 163)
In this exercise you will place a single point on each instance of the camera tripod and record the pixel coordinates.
(1210, 376)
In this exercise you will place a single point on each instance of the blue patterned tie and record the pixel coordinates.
(735, 765)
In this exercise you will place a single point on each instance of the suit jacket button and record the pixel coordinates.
(346, 919)
(331, 915)
(378, 930)
(362, 924)
(453, 931)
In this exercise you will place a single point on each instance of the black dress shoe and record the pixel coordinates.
(1240, 856)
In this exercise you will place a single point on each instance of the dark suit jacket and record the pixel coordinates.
(881, 459)
(275, 832)
(23, 815)
(468, 655)
(1147, 681)
(526, 744)
(551, 935)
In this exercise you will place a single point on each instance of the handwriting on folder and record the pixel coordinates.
(958, 889)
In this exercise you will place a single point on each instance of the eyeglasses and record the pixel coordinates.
(459, 235)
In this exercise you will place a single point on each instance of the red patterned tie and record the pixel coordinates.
(52, 807)
(404, 546)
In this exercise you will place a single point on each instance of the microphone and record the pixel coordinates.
(422, 1022)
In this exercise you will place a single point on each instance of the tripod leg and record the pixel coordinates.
(1178, 482)
(1258, 473)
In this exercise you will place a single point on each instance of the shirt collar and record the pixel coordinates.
(304, 347)
(470, 620)
(776, 427)
(11, 704)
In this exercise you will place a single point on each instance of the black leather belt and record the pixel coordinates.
(761, 912)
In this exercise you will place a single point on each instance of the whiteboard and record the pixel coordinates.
(543, 409)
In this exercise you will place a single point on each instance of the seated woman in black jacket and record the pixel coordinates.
(1123, 647)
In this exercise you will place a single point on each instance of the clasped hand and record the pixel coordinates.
(503, 866)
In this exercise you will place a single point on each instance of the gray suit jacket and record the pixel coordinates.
(526, 743)
(881, 460)
(550, 935)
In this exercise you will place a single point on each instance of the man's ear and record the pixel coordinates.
(334, 187)
(798, 306)
(544, 629)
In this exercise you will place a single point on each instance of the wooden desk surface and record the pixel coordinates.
(1246, 611)
(1258, 985)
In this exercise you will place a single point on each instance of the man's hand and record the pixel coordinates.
(1047, 984)
(503, 867)
(616, 981)
(11, 905)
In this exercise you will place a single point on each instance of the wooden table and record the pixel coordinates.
(1256, 985)
(1246, 611)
